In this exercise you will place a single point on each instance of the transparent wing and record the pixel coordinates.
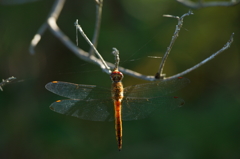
(77, 91)
(102, 110)
(155, 89)
(139, 108)
(93, 109)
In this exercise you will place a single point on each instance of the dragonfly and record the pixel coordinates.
(90, 102)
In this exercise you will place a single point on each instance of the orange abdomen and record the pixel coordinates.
(118, 123)
(117, 96)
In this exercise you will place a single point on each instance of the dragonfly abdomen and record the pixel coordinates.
(118, 123)
(117, 96)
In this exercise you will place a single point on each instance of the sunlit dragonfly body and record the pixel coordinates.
(134, 102)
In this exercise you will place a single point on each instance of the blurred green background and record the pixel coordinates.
(208, 126)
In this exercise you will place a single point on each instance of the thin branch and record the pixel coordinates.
(66, 41)
(159, 74)
(6, 81)
(85, 56)
(37, 38)
(99, 4)
(52, 25)
(201, 4)
(56, 9)
(225, 47)
(92, 46)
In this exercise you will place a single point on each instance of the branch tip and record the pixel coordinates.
(115, 52)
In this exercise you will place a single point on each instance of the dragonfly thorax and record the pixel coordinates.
(116, 76)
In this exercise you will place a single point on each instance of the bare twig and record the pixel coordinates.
(85, 56)
(201, 4)
(52, 25)
(92, 46)
(99, 4)
(65, 40)
(56, 9)
(159, 74)
(37, 38)
(7, 81)
(226, 46)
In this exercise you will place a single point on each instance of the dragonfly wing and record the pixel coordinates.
(139, 108)
(77, 91)
(156, 88)
(94, 110)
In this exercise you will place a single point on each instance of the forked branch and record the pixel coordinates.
(159, 74)
(90, 57)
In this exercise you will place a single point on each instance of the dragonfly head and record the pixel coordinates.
(116, 76)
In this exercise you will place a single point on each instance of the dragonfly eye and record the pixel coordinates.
(116, 76)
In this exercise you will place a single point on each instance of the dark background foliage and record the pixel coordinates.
(206, 127)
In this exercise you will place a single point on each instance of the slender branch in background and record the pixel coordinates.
(37, 38)
(201, 4)
(159, 74)
(99, 4)
(76, 36)
(91, 44)
(56, 9)
(226, 46)
(52, 25)
(7, 81)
